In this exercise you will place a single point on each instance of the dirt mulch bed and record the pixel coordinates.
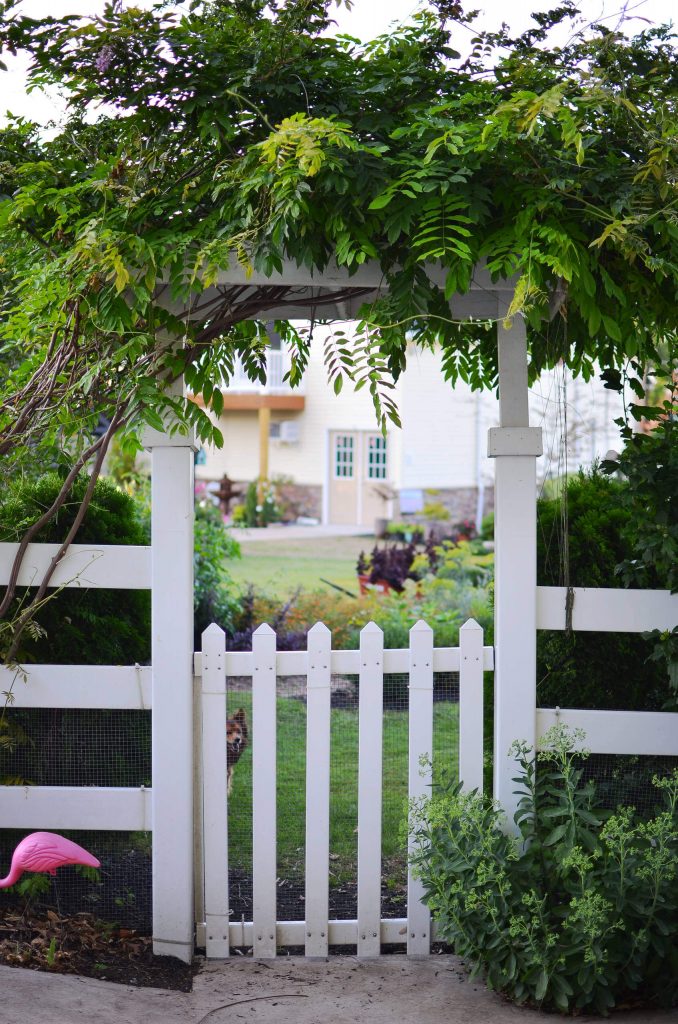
(45, 941)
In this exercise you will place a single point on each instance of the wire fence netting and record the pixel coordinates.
(84, 747)
(623, 780)
(291, 793)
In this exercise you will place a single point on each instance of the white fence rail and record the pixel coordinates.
(608, 610)
(114, 567)
(317, 664)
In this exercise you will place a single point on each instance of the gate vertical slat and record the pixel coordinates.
(471, 706)
(264, 860)
(370, 728)
(419, 777)
(215, 808)
(318, 790)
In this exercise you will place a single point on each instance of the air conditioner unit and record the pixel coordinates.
(289, 431)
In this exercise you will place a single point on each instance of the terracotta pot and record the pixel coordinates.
(380, 586)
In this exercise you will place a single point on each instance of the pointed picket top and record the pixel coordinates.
(319, 631)
(371, 628)
(469, 625)
(264, 630)
(420, 627)
(212, 631)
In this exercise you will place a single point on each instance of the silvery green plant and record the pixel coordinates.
(580, 912)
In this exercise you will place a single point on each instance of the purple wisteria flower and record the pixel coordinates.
(105, 58)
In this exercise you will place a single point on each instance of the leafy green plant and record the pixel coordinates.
(487, 527)
(214, 595)
(34, 885)
(413, 532)
(259, 507)
(581, 912)
(435, 510)
(51, 952)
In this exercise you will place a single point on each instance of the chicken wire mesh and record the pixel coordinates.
(291, 793)
(622, 780)
(83, 747)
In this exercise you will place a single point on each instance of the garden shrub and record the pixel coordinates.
(259, 507)
(582, 915)
(293, 619)
(82, 626)
(590, 669)
(214, 595)
(649, 465)
(77, 625)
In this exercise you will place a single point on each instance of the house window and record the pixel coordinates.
(376, 457)
(343, 457)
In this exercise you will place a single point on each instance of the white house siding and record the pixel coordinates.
(440, 442)
(239, 457)
(443, 442)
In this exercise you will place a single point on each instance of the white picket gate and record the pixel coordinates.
(370, 663)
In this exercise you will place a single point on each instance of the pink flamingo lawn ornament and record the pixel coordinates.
(45, 851)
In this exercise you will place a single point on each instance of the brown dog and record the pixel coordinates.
(237, 734)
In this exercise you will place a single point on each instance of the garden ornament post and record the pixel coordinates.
(45, 851)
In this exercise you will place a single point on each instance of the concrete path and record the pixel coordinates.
(275, 532)
(343, 990)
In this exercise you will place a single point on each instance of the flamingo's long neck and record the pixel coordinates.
(15, 873)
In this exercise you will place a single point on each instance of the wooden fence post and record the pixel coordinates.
(370, 731)
(318, 790)
(264, 780)
(215, 800)
(420, 746)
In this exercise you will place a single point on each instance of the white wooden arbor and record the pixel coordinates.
(515, 446)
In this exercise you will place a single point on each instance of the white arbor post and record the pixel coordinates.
(172, 675)
(515, 446)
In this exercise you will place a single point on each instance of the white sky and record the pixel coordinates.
(367, 19)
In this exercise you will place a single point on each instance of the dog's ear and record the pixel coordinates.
(241, 718)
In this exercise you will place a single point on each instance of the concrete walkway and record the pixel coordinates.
(294, 531)
(342, 990)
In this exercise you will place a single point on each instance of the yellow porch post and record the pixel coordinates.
(264, 430)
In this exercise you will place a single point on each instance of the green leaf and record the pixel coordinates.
(541, 985)
(556, 834)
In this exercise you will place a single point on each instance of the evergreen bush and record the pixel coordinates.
(591, 669)
(79, 625)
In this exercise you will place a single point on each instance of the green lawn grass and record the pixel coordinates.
(280, 567)
(291, 794)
